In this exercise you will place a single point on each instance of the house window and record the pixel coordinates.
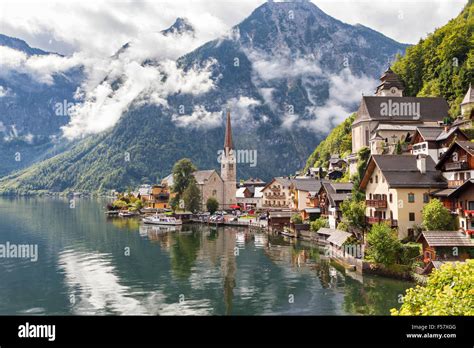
(214, 192)
(426, 198)
(231, 166)
(462, 223)
(376, 179)
(411, 216)
(370, 196)
(390, 198)
(471, 205)
(411, 198)
(411, 233)
(468, 175)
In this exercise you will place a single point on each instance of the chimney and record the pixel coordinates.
(421, 163)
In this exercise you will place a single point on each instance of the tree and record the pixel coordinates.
(448, 291)
(353, 213)
(212, 205)
(182, 173)
(296, 219)
(362, 158)
(436, 217)
(383, 245)
(192, 197)
(319, 223)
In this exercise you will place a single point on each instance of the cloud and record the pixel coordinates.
(40, 68)
(282, 66)
(345, 91)
(242, 109)
(4, 92)
(102, 106)
(199, 119)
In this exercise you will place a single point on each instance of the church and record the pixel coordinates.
(222, 187)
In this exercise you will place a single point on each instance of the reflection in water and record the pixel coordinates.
(194, 270)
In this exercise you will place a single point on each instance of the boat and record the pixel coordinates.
(162, 219)
(126, 214)
(112, 212)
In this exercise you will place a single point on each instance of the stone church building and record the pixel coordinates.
(222, 187)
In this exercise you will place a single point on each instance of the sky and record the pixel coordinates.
(100, 27)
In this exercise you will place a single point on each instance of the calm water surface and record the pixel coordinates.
(90, 264)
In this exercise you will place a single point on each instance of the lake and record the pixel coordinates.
(89, 264)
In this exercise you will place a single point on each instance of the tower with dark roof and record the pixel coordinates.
(390, 86)
(229, 167)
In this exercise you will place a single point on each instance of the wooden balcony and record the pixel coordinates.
(455, 183)
(376, 220)
(456, 165)
(376, 203)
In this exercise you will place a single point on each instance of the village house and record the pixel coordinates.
(460, 201)
(435, 141)
(397, 187)
(301, 191)
(457, 163)
(445, 246)
(249, 197)
(330, 196)
(389, 118)
(158, 198)
(276, 194)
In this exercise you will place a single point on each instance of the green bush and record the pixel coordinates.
(319, 223)
(408, 253)
(448, 291)
(296, 219)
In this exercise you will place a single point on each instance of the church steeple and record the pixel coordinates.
(228, 133)
(390, 85)
(229, 167)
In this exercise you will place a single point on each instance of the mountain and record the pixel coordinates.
(179, 27)
(29, 124)
(283, 71)
(441, 65)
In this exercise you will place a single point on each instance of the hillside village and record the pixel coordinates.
(406, 153)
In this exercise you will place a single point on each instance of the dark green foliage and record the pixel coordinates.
(383, 245)
(212, 205)
(182, 175)
(192, 197)
(339, 141)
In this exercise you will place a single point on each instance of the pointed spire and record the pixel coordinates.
(469, 97)
(228, 133)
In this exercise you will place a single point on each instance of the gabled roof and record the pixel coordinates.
(309, 184)
(342, 186)
(402, 171)
(463, 144)
(338, 237)
(469, 97)
(332, 193)
(283, 181)
(258, 192)
(431, 109)
(240, 193)
(466, 186)
(438, 133)
(446, 238)
(202, 176)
